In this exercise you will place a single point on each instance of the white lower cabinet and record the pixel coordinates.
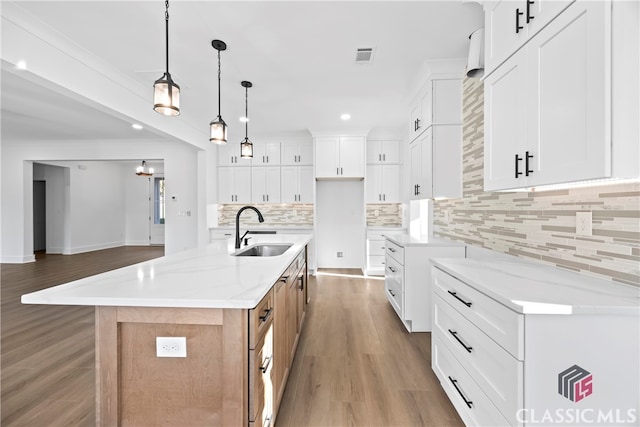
(375, 251)
(407, 279)
(520, 345)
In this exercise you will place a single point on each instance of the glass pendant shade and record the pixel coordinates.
(218, 131)
(246, 148)
(166, 96)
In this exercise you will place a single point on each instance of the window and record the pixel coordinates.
(158, 200)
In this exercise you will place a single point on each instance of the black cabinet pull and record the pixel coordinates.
(455, 295)
(455, 335)
(266, 315)
(392, 269)
(301, 279)
(518, 159)
(391, 292)
(518, 15)
(529, 15)
(417, 189)
(455, 384)
(417, 124)
(267, 362)
(526, 163)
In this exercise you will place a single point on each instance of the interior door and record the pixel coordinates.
(156, 210)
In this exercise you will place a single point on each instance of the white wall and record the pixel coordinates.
(340, 223)
(181, 175)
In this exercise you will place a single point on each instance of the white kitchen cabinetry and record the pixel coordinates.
(265, 184)
(407, 279)
(234, 184)
(510, 350)
(375, 250)
(229, 155)
(297, 153)
(548, 108)
(383, 152)
(340, 157)
(297, 184)
(509, 24)
(266, 154)
(438, 102)
(436, 163)
(383, 184)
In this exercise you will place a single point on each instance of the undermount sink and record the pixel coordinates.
(269, 249)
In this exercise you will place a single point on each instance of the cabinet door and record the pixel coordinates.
(415, 154)
(542, 12)
(267, 153)
(568, 108)
(352, 157)
(305, 153)
(505, 124)
(425, 189)
(229, 155)
(390, 183)
(447, 161)
(426, 107)
(289, 155)
(447, 101)
(289, 184)
(373, 184)
(226, 184)
(374, 152)
(258, 185)
(391, 152)
(415, 117)
(280, 352)
(242, 184)
(305, 184)
(501, 37)
(327, 157)
(272, 184)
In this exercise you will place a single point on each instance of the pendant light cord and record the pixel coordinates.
(166, 27)
(246, 112)
(219, 95)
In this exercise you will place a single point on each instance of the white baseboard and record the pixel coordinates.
(91, 248)
(17, 259)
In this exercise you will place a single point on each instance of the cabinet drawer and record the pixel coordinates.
(501, 324)
(376, 261)
(497, 373)
(394, 294)
(474, 407)
(376, 235)
(375, 247)
(395, 251)
(260, 378)
(260, 319)
(393, 271)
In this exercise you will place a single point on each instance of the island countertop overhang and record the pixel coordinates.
(207, 277)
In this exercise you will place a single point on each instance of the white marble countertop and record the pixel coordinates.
(208, 277)
(404, 239)
(532, 288)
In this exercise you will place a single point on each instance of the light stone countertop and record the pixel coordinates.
(208, 277)
(531, 288)
(404, 239)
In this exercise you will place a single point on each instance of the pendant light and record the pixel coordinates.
(218, 134)
(143, 170)
(166, 93)
(246, 146)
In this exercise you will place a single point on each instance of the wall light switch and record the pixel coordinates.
(584, 224)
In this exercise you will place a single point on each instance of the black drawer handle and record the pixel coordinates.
(518, 173)
(455, 384)
(392, 269)
(392, 250)
(526, 163)
(455, 295)
(266, 315)
(267, 362)
(518, 26)
(391, 292)
(529, 15)
(301, 279)
(284, 279)
(455, 335)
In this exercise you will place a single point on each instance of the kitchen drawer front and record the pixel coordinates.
(376, 235)
(260, 379)
(377, 261)
(393, 270)
(504, 326)
(395, 251)
(473, 405)
(260, 318)
(375, 247)
(393, 290)
(497, 373)
(298, 263)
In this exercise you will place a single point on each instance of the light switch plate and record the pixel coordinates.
(584, 224)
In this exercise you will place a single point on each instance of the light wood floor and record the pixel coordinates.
(355, 366)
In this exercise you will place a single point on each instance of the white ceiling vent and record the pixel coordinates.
(364, 55)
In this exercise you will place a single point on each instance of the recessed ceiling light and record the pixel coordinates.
(345, 116)
(244, 119)
(21, 65)
(136, 126)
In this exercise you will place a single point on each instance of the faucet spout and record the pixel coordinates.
(242, 209)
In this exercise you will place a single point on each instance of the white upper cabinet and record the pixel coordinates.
(265, 184)
(234, 185)
(382, 184)
(297, 184)
(297, 153)
(340, 157)
(229, 155)
(266, 154)
(438, 102)
(548, 108)
(383, 152)
(509, 24)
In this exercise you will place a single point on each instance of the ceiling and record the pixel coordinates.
(299, 55)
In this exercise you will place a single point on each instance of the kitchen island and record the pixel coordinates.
(240, 317)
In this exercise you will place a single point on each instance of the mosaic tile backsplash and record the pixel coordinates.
(384, 215)
(289, 215)
(541, 226)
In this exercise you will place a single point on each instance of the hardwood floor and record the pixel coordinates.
(47, 352)
(355, 366)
